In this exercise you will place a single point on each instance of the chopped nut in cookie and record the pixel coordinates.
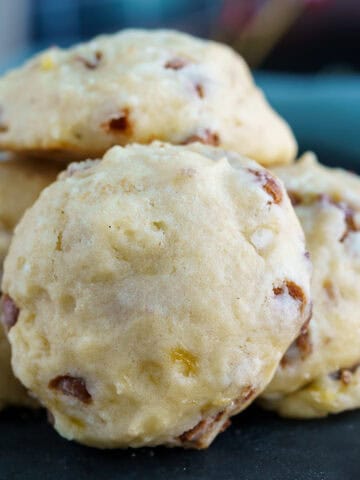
(329, 288)
(269, 184)
(205, 136)
(117, 123)
(200, 90)
(349, 222)
(348, 211)
(197, 436)
(71, 386)
(345, 375)
(295, 198)
(293, 290)
(90, 63)
(10, 312)
(176, 63)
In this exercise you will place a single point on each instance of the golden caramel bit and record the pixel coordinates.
(59, 242)
(47, 62)
(295, 198)
(76, 422)
(329, 289)
(186, 360)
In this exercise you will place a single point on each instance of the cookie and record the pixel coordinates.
(139, 86)
(158, 300)
(320, 373)
(21, 181)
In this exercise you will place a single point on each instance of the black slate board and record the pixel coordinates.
(258, 446)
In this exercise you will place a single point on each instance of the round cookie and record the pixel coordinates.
(158, 300)
(21, 181)
(139, 86)
(321, 371)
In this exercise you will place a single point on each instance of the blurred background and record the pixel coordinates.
(306, 53)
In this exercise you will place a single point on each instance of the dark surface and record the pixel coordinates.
(258, 446)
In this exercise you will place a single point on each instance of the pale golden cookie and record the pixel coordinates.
(139, 86)
(158, 301)
(320, 372)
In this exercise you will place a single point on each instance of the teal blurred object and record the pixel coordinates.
(322, 109)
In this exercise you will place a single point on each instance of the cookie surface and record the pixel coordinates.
(163, 301)
(139, 86)
(21, 181)
(320, 372)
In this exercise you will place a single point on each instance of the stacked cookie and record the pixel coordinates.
(320, 373)
(154, 289)
(21, 181)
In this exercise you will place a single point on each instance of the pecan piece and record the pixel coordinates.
(10, 312)
(295, 198)
(71, 386)
(200, 90)
(302, 345)
(303, 341)
(269, 185)
(118, 122)
(176, 63)
(294, 291)
(247, 393)
(349, 223)
(91, 63)
(197, 437)
(349, 214)
(329, 289)
(205, 136)
(345, 374)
